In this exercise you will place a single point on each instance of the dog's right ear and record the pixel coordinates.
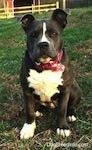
(60, 16)
(26, 20)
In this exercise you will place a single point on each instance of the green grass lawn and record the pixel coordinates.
(78, 44)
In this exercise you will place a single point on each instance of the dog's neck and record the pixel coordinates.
(54, 65)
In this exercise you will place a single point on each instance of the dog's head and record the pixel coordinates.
(44, 39)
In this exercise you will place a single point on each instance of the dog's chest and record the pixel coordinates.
(45, 84)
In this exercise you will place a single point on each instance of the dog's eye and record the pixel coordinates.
(52, 34)
(34, 34)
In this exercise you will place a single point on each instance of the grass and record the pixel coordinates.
(78, 43)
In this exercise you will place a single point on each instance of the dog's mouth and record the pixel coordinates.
(44, 56)
(44, 59)
(47, 62)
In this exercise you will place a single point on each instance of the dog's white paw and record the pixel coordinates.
(71, 118)
(63, 132)
(38, 114)
(27, 131)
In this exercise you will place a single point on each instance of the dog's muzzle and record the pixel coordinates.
(43, 46)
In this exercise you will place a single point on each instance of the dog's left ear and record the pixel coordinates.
(60, 16)
(26, 21)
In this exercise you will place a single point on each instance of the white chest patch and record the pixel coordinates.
(45, 83)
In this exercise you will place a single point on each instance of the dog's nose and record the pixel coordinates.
(43, 45)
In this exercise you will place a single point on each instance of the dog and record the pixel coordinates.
(46, 75)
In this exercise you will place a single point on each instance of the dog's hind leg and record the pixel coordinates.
(39, 111)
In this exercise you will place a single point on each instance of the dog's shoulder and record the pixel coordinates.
(68, 74)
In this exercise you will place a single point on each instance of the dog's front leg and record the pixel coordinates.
(29, 127)
(62, 125)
